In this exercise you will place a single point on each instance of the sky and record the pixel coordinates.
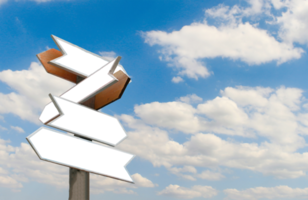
(217, 108)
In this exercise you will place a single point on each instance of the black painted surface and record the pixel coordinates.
(68, 150)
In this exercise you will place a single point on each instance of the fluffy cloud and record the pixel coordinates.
(271, 117)
(177, 79)
(18, 129)
(190, 173)
(278, 192)
(230, 37)
(185, 48)
(191, 98)
(31, 88)
(240, 111)
(294, 21)
(188, 193)
(169, 115)
(108, 55)
(101, 184)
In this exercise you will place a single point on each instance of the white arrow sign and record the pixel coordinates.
(65, 113)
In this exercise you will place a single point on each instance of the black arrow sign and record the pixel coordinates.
(79, 153)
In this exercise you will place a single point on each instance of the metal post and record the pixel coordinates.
(79, 185)
(79, 181)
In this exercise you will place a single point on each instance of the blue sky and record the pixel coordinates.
(217, 106)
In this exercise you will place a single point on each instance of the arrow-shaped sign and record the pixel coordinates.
(81, 154)
(78, 60)
(87, 122)
(103, 98)
(87, 88)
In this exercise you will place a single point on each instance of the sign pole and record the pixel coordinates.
(79, 181)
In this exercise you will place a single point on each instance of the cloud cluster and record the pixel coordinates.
(186, 49)
(18, 129)
(177, 191)
(294, 21)
(271, 118)
(31, 88)
(278, 192)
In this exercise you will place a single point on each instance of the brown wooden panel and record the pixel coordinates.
(113, 92)
(49, 55)
(103, 98)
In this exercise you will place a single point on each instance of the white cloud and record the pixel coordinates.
(223, 111)
(294, 21)
(240, 111)
(278, 4)
(185, 49)
(100, 184)
(181, 172)
(264, 114)
(191, 98)
(245, 96)
(108, 55)
(31, 88)
(278, 192)
(23, 165)
(189, 193)
(190, 173)
(169, 115)
(208, 175)
(8, 182)
(3, 171)
(177, 79)
(141, 181)
(18, 129)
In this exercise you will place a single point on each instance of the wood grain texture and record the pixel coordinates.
(49, 55)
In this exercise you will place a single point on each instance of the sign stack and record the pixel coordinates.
(102, 82)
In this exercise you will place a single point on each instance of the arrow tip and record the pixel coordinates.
(115, 64)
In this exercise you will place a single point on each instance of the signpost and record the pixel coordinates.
(99, 82)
